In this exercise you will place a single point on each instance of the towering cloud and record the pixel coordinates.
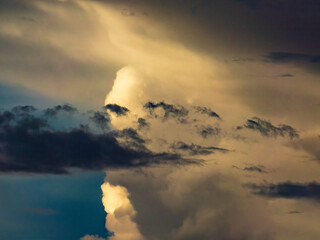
(120, 213)
(179, 82)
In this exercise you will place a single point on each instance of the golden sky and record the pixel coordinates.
(228, 89)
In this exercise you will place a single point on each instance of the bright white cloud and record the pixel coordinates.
(120, 213)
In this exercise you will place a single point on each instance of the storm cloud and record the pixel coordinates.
(30, 144)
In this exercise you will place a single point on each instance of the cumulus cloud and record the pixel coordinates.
(192, 203)
(172, 55)
(92, 237)
(120, 213)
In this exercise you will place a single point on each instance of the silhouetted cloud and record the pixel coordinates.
(287, 75)
(206, 131)
(101, 119)
(254, 169)
(207, 111)
(142, 123)
(60, 109)
(287, 190)
(30, 144)
(292, 57)
(115, 108)
(259, 169)
(193, 149)
(132, 139)
(24, 109)
(294, 212)
(170, 110)
(266, 128)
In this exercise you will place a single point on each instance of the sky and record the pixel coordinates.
(152, 120)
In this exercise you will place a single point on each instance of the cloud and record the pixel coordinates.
(170, 110)
(115, 108)
(174, 54)
(295, 212)
(132, 138)
(207, 131)
(30, 144)
(24, 109)
(193, 149)
(142, 123)
(284, 57)
(287, 190)
(254, 169)
(287, 75)
(207, 111)
(307, 61)
(120, 213)
(65, 108)
(102, 119)
(310, 144)
(267, 129)
(92, 237)
(259, 169)
(192, 203)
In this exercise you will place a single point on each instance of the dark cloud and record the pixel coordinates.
(24, 109)
(115, 108)
(6, 117)
(307, 61)
(254, 169)
(142, 123)
(287, 190)
(207, 111)
(65, 108)
(132, 139)
(259, 169)
(294, 212)
(292, 57)
(207, 131)
(252, 27)
(101, 119)
(267, 129)
(29, 144)
(170, 110)
(193, 149)
(287, 75)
